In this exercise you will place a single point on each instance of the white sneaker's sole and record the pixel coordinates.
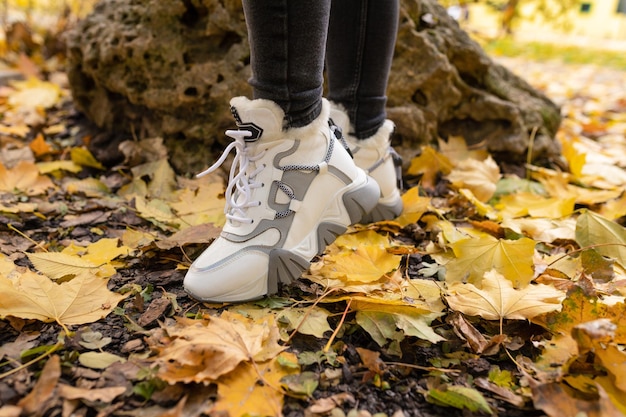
(354, 202)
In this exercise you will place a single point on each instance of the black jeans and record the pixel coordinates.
(290, 40)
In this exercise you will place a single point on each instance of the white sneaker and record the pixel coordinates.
(376, 156)
(290, 193)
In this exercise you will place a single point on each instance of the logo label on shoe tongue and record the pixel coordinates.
(255, 131)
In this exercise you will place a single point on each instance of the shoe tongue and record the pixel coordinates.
(262, 118)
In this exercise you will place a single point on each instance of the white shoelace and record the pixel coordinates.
(240, 181)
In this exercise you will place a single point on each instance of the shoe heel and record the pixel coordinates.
(361, 201)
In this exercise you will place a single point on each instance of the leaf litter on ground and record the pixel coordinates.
(489, 294)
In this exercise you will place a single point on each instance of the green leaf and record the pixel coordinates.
(610, 238)
(301, 384)
(459, 397)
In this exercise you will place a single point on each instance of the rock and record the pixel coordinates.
(168, 69)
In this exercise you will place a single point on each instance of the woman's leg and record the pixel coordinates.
(287, 44)
(361, 40)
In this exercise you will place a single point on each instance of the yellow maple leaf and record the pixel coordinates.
(414, 206)
(24, 178)
(474, 257)
(255, 389)
(100, 252)
(84, 299)
(363, 258)
(497, 299)
(429, 164)
(203, 351)
(480, 177)
(202, 205)
(527, 204)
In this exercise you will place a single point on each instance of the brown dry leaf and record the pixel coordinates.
(12, 350)
(202, 351)
(24, 178)
(254, 389)
(202, 233)
(105, 395)
(557, 400)
(35, 401)
(497, 299)
(84, 299)
(39, 146)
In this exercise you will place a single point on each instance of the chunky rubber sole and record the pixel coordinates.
(287, 265)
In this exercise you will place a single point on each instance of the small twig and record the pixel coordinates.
(583, 249)
(332, 336)
(317, 301)
(423, 368)
(19, 232)
(53, 349)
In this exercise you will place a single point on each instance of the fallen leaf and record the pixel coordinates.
(580, 308)
(90, 187)
(380, 318)
(605, 236)
(203, 351)
(201, 233)
(429, 164)
(480, 177)
(83, 157)
(36, 400)
(57, 265)
(253, 389)
(84, 299)
(312, 320)
(497, 299)
(557, 400)
(24, 178)
(460, 397)
(39, 146)
(34, 93)
(98, 360)
(105, 395)
(474, 257)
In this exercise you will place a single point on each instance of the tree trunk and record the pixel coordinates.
(169, 68)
